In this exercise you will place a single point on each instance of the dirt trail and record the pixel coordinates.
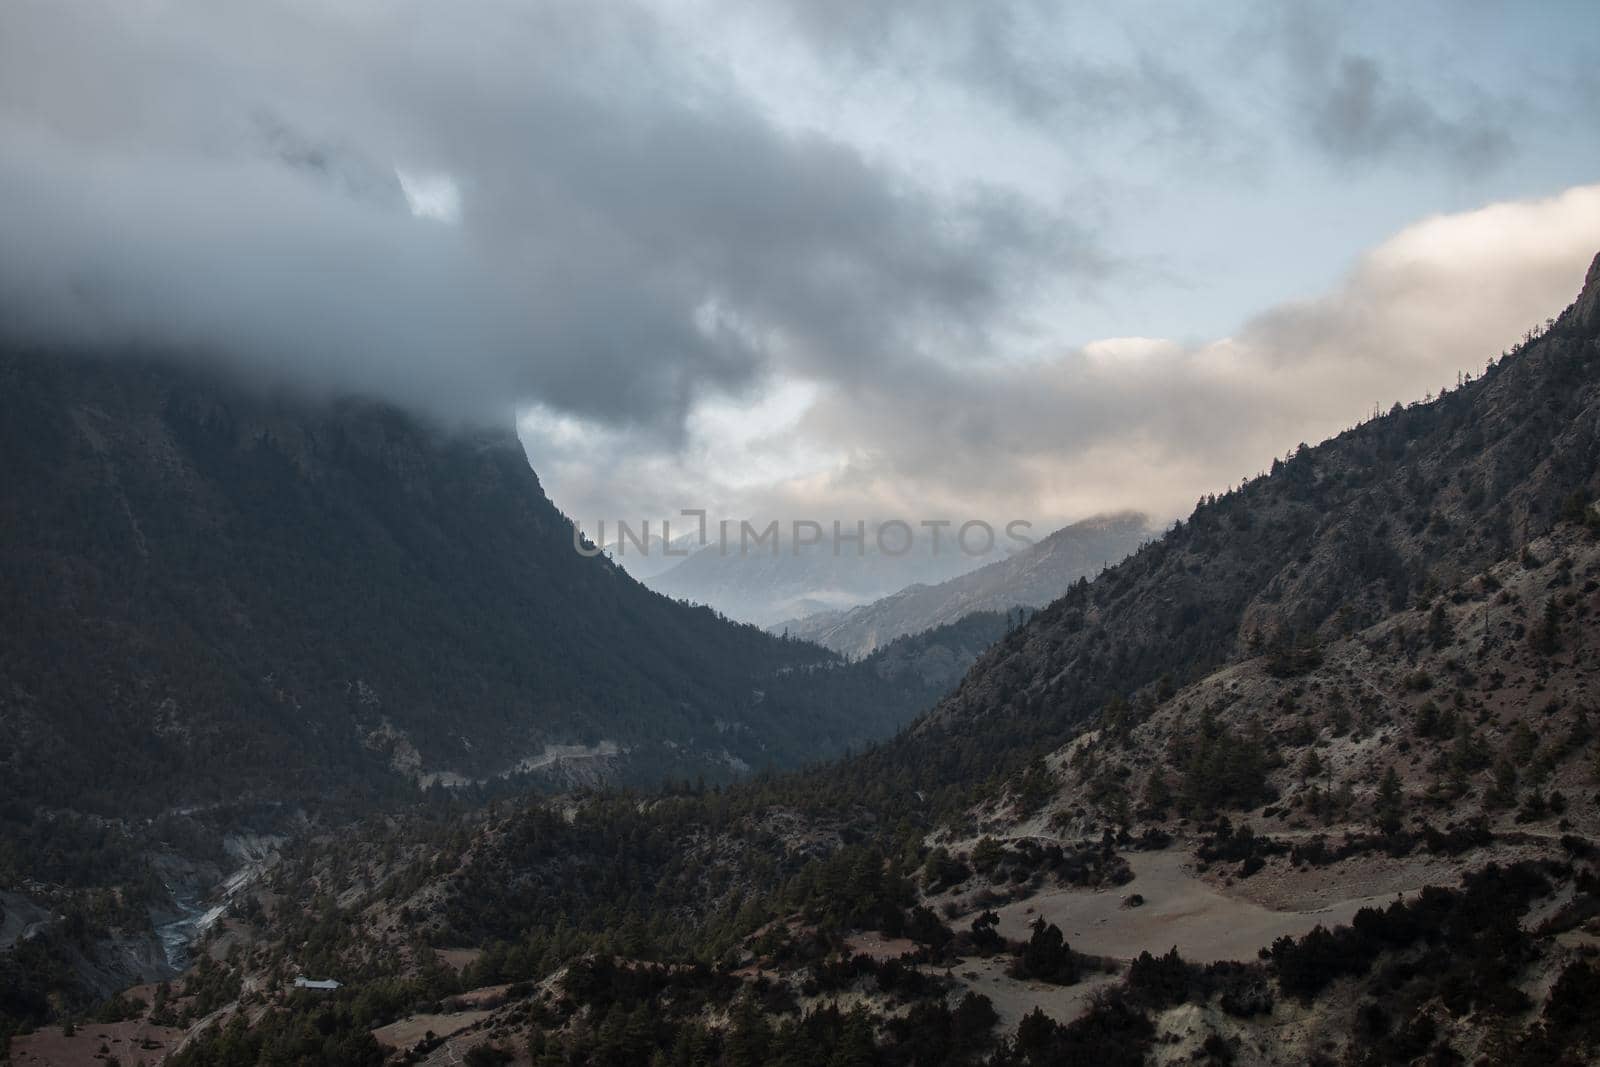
(1179, 908)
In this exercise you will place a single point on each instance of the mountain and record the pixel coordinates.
(764, 584)
(1310, 778)
(232, 616)
(1032, 577)
(650, 555)
(1334, 539)
(212, 593)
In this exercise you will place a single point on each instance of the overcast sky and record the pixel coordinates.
(816, 258)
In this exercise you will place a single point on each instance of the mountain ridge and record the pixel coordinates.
(1302, 779)
(1264, 565)
(1029, 578)
(765, 584)
(215, 590)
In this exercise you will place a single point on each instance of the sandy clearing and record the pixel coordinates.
(129, 1041)
(1012, 999)
(876, 946)
(483, 997)
(1205, 922)
(410, 1030)
(1281, 887)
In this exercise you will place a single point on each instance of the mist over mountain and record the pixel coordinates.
(219, 592)
(233, 613)
(768, 583)
(1031, 577)
(650, 555)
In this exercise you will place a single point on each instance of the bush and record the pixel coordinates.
(1046, 957)
(486, 1055)
(1112, 1033)
(1476, 946)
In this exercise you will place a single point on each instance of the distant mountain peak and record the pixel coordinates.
(1029, 578)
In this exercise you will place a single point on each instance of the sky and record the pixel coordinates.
(813, 259)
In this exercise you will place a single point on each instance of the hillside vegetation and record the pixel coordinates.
(1312, 778)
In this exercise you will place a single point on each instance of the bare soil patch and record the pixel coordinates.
(1181, 908)
(129, 1041)
(410, 1030)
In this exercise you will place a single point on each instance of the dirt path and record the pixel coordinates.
(1179, 909)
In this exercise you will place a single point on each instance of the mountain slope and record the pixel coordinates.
(1415, 603)
(1331, 541)
(1031, 578)
(210, 593)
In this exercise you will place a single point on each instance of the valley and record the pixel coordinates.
(283, 614)
(792, 534)
(1311, 778)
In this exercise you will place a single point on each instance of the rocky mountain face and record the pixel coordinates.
(214, 594)
(228, 612)
(1476, 705)
(1030, 578)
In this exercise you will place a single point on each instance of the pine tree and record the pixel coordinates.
(1157, 792)
(1047, 957)
(749, 1036)
(1503, 793)
(856, 1047)
(1390, 803)
(1545, 636)
(1310, 767)
(1522, 745)
(1440, 632)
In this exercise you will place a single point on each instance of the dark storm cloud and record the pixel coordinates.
(834, 254)
(1359, 114)
(1035, 60)
(1047, 76)
(631, 231)
(1358, 108)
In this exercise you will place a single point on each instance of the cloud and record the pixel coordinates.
(431, 196)
(469, 208)
(1356, 109)
(1147, 424)
(1041, 65)
(844, 260)
(1359, 114)
(1140, 422)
